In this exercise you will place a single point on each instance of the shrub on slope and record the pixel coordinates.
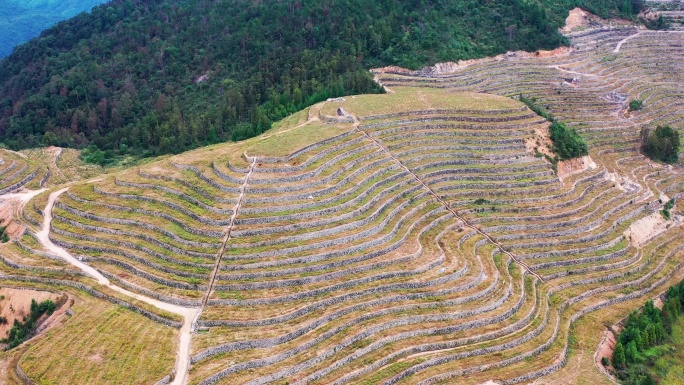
(662, 144)
(21, 331)
(567, 143)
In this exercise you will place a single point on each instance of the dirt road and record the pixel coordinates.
(188, 314)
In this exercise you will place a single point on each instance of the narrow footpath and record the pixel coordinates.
(630, 37)
(625, 40)
(226, 239)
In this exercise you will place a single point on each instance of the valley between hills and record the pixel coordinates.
(419, 236)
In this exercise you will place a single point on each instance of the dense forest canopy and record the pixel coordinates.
(22, 20)
(159, 76)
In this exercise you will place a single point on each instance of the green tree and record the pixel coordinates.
(662, 144)
(627, 8)
(652, 336)
(49, 139)
(631, 352)
(619, 358)
(635, 105)
(645, 339)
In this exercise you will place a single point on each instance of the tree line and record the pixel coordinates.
(140, 77)
(643, 331)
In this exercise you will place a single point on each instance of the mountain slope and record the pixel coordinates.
(164, 76)
(418, 239)
(21, 21)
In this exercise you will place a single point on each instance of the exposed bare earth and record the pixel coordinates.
(645, 229)
(453, 67)
(17, 305)
(578, 18)
(574, 166)
(540, 141)
(13, 228)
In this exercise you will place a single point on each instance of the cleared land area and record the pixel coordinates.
(406, 238)
(15, 304)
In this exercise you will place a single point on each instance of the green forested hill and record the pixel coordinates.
(21, 20)
(158, 76)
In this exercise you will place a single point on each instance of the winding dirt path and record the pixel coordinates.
(625, 40)
(16, 203)
(630, 37)
(22, 197)
(558, 67)
(188, 314)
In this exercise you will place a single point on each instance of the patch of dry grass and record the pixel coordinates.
(285, 143)
(102, 344)
(416, 99)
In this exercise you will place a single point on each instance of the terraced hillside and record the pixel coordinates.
(42, 167)
(17, 171)
(672, 12)
(406, 238)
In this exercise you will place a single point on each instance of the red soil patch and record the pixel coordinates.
(607, 345)
(578, 18)
(575, 166)
(13, 229)
(540, 141)
(17, 305)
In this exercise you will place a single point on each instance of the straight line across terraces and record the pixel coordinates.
(444, 203)
(222, 250)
